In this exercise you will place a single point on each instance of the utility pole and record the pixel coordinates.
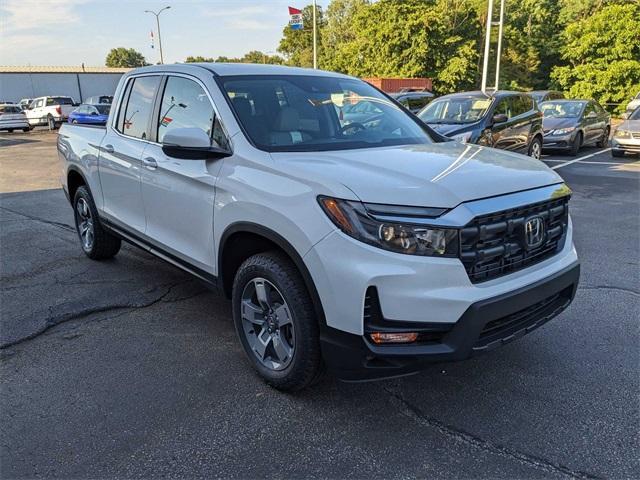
(158, 25)
(499, 43)
(487, 45)
(315, 38)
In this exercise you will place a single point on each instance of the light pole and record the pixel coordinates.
(158, 24)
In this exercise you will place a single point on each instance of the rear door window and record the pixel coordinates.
(138, 111)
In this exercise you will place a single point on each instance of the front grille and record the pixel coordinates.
(635, 134)
(494, 245)
(511, 326)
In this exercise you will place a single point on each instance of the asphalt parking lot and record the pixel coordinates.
(130, 368)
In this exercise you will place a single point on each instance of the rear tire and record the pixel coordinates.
(604, 141)
(51, 124)
(26, 129)
(276, 322)
(96, 242)
(577, 143)
(10, 130)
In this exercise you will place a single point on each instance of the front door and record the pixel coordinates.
(504, 134)
(178, 194)
(121, 154)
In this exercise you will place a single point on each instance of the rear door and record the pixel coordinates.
(593, 124)
(178, 193)
(121, 153)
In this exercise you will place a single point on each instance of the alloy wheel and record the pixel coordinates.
(84, 224)
(536, 150)
(267, 324)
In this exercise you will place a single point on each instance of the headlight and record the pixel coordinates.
(619, 133)
(462, 137)
(406, 237)
(563, 131)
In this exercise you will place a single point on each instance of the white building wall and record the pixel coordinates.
(15, 86)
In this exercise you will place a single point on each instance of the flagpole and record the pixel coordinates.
(315, 39)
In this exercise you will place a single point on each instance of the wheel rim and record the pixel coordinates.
(267, 324)
(84, 223)
(535, 150)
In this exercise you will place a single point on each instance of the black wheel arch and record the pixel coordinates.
(75, 179)
(270, 240)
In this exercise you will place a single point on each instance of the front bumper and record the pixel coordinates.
(484, 325)
(558, 142)
(631, 145)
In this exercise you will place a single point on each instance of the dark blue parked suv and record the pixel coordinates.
(502, 119)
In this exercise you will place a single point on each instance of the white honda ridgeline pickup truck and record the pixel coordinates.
(369, 247)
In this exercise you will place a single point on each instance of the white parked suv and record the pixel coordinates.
(369, 248)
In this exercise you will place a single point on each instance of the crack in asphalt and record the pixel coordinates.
(54, 321)
(608, 287)
(458, 435)
(64, 226)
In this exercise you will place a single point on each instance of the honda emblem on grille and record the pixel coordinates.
(534, 232)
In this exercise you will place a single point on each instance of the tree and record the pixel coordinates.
(253, 56)
(122, 57)
(602, 52)
(297, 45)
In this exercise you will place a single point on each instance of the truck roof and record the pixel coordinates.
(230, 69)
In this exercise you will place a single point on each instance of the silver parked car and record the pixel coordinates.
(626, 138)
(12, 118)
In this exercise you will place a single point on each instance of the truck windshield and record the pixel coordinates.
(283, 113)
(459, 109)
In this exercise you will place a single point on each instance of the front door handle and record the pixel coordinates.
(108, 148)
(150, 163)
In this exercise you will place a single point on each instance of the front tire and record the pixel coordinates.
(276, 322)
(96, 242)
(617, 153)
(535, 148)
(577, 143)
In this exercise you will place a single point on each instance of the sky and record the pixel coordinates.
(72, 32)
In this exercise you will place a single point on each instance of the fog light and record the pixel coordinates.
(378, 337)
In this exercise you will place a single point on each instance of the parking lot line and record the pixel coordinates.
(589, 163)
(581, 158)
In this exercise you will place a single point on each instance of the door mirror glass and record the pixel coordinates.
(592, 114)
(499, 118)
(190, 143)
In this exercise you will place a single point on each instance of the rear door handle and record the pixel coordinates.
(108, 148)
(150, 163)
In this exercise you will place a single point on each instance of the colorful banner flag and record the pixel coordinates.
(295, 18)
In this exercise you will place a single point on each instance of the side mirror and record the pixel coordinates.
(592, 115)
(499, 118)
(191, 144)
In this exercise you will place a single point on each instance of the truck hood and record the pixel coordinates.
(434, 175)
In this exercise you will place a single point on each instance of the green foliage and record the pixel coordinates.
(602, 52)
(254, 56)
(122, 57)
